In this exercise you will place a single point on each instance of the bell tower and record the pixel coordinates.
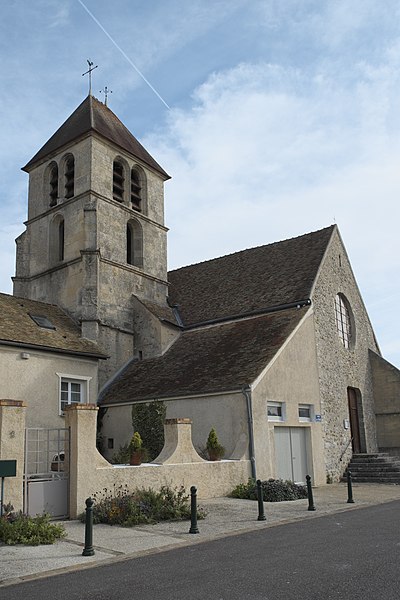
(95, 239)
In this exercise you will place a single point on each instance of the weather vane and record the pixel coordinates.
(89, 72)
(106, 91)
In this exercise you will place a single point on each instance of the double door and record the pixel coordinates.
(291, 445)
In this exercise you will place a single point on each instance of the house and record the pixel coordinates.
(272, 345)
(44, 361)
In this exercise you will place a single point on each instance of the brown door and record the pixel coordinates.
(354, 422)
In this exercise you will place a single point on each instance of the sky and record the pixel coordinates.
(273, 117)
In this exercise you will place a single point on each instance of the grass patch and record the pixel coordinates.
(274, 490)
(122, 507)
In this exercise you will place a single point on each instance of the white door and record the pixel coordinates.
(291, 453)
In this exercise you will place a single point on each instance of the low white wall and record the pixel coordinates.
(91, 473)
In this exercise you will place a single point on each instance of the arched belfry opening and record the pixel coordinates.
(53, 183)
(118, 181)
(69, 176)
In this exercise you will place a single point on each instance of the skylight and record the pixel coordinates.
(42, 321)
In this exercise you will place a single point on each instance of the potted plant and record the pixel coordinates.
(135, 449)
(214, 448)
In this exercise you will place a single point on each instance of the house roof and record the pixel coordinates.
(213, 359)
(93, 115)
(250, 280)
(18, 328)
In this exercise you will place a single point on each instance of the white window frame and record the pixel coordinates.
(83, 382)
(309, 419)
(282, 406)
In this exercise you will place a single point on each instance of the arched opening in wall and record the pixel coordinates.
(134, 243)
(69, 176)
(118, 181)
(61, 240)
(53, 183)
(138, 189)
(57, 239)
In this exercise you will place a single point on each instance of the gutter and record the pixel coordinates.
(37, 347)
(246, 390)
(260, 311)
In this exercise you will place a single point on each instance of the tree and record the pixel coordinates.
(148, 419)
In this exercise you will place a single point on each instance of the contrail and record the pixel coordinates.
(123, 53)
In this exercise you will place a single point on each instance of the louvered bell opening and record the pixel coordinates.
(118, 192)
(135, 197)
(118, 182)
(54, 187)
(69, 178)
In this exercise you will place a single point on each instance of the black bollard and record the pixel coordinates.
(88, 549)
(349, 489)
(193, 510)
(261, 514)
(310, 494)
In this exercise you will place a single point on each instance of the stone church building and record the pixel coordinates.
(272, 345)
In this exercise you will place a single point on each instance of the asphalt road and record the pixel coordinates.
(352, 555)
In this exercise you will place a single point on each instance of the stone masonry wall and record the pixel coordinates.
(340, 367)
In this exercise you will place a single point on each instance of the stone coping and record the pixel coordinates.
(17, 403)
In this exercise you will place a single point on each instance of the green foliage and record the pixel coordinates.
(99, 436)
(16, 528)
(148, 419)
(121, 456)
(121, 507)
(136, 442)
(214, 448)
(274, 490)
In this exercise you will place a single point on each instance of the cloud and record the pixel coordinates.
(268, 152)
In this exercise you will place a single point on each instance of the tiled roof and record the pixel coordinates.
(17, 327)
(211, 359)
(93, 115)
(250, 280)
(164, 313)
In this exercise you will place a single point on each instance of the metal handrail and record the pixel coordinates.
(345, 450)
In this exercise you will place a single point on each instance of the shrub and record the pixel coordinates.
(121, 457)
(17, 528)
(121, 507)
(274, 490)
(148, 418)
(214, 448)
(136, 442)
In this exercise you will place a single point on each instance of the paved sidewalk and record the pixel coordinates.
(226, 516)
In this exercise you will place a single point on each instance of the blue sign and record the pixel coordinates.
(318, 418)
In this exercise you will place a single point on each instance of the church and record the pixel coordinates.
(272, 346)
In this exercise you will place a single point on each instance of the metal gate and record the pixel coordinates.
(46, 472)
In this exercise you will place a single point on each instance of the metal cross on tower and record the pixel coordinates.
(106, 91)
(89, 72)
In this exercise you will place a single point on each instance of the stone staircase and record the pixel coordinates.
(374, 468)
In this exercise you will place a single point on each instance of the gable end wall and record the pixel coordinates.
(340, 368)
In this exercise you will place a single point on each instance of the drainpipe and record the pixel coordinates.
(247, 394)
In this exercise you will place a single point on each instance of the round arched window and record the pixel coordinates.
(343, 320)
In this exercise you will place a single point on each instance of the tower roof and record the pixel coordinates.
(93, 115)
